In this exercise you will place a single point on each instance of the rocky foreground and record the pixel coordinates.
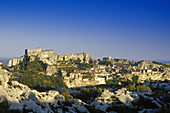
(21, 97)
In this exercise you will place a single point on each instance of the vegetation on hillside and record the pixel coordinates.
(33, 75)
(82, 65)
(138, 88)
(104, 62)
(87, 94)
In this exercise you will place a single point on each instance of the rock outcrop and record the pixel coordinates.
(22, 97)
(50, 58)
(51, 70)
(108, 100)
(83, 82)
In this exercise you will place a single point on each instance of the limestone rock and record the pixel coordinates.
(51, 70)
(106, 94)
(15, 61)
(33, 52)
(120, 91)
(125, 98)
(21, 96)
(50, 58)
(4, 77)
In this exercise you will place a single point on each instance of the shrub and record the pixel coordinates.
(131, 88)
(138, 88)
(41, 82)
(4, 108)
(122, 109)
(87, 94)
(66, 93)
(93, 109)
(144, 103)
(56, 97)
(124, 71)
(135, 79)
(0, 82)
(105, 62)
(143, 88)
(164, 109)
(115, 81)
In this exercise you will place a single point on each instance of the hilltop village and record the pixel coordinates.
(82, 70)
(41, 81)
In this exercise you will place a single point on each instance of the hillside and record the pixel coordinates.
(44, 81)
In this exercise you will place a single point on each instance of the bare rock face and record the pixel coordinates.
(13, 62)
(120, 91)
(125, 98)
(107, 98)
(83, 82)
(84, 57)
(50, 58)
(4, 77)
(33, 52)
(20, 96)
(106, 94)
(1, 65)
(51, 70)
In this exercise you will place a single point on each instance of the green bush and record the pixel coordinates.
(115, 81)
(131, 88)
(67, 69)
(135, 79)
(157, 63)
(41, 82)
(138, 88)
(0, 82)
(124, 71)
(84, 66)
(3, 67)
(167, 96)
(87, 94)
(164, 109)
(92, 109)
(122, 109)
(66, 94)
(144, 103)
(105, 62)
(4, 108)
(142, 88)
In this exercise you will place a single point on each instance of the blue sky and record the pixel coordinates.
(131, 29)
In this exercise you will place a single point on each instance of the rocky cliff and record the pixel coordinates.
(50, 58)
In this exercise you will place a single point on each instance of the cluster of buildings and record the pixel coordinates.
(99, 73)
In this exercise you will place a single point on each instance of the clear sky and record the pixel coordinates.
(131, 29)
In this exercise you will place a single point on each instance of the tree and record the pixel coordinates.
(66, 93)
(63, 58)
(37, 59)
(90, 61)
(135, 79)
